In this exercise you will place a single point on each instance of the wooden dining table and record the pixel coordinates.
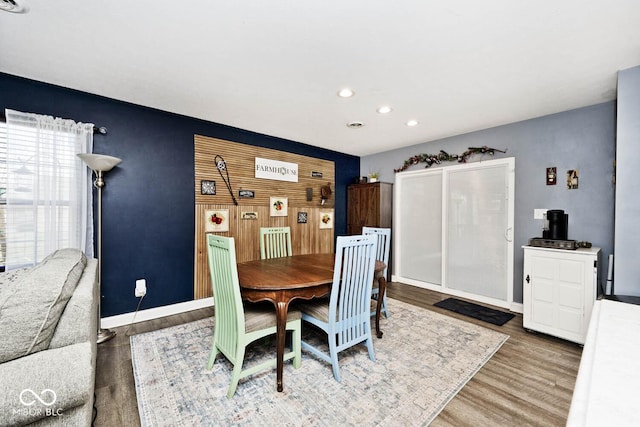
(281, 280)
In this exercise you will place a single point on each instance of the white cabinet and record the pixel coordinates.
(559, 289)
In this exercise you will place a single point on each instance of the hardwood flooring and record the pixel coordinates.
(529, 381)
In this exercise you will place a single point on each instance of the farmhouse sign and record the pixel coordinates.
(276, 170)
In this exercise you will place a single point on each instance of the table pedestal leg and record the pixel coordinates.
(382, 287)
(281, 331)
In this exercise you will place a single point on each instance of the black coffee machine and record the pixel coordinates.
(556, 225)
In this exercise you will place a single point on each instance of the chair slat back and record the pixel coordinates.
(383, 237)
(275, 242)
(229, 314)
(351, 289)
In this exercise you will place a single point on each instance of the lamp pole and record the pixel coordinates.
(100, 163)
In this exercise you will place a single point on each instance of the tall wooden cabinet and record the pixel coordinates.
(369, 205)
(559, 289)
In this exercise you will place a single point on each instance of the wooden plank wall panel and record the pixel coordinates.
(305, 238)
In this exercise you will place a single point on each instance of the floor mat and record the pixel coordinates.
(476, 311)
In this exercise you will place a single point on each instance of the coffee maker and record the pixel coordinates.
(555, 232)
(556, 225)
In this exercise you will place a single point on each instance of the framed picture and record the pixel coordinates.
(249, 215)
(302, 217)
(278, 206)
(216, 220)
(208, 187)
(326, 219)
(246, 194)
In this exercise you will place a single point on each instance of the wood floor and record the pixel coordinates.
(529, 381)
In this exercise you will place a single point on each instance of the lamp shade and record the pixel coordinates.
(99, 162)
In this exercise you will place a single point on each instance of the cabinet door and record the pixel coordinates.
(558, 293)
(363, 207)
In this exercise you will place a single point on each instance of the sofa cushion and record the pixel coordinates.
(64, 378)
(32, 303)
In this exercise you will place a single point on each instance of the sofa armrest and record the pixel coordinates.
(79, 321)
(46, 383)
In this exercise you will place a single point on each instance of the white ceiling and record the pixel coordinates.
(274, 67)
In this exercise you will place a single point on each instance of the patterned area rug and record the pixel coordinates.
(422, 361)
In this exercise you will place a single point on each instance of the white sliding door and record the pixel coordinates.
(454, 230)
(421, 259)
(477, 230)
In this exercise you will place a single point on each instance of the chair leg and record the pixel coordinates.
(296, 347)
(237, 372)
(384, 306)
(369, 344)
(334, 358)
(212, 356)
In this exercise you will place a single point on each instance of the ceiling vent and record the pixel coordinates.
(15, 6)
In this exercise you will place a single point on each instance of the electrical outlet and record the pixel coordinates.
(539, 213)
(141, 288)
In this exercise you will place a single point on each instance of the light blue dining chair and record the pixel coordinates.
(275, 242)
(383, 236)
(237, 326)
(345, 318)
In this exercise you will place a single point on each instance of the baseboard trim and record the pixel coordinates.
(155, 313)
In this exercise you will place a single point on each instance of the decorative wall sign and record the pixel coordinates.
(278, 206)
(276, 169)
(551, 176)
(316, 174)
(246, 194)
(302, 217)
(216, 220)
(572, 179)
(249, 215)
(208, 187)
(326, 219)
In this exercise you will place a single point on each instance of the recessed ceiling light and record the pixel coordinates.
(15, 6)
(385, 109)
(355, 125)
(412, 123)
(346, 93)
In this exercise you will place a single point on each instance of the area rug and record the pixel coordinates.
(477, 311)
(422, 361)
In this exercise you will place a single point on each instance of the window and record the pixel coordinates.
(44, 202)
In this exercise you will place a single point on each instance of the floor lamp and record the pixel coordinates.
(99, 164)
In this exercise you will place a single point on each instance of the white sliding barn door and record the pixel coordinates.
(466, 224)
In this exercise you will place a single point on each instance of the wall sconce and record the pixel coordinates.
(325, 192)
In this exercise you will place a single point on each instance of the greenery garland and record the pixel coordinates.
(443, 156)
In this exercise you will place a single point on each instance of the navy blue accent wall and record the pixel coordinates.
(148, 200)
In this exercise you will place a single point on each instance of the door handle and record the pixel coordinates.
(528, 279)
(506, 234)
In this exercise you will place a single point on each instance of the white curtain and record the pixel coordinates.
(49, 203)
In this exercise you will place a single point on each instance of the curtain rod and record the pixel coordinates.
(96, 129)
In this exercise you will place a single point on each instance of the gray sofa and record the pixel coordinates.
(48, 328)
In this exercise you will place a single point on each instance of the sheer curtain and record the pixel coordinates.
(49, 194)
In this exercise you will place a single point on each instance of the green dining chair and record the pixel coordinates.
(275, 242)
(345, 317)
(383, 236)
(236, 326)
